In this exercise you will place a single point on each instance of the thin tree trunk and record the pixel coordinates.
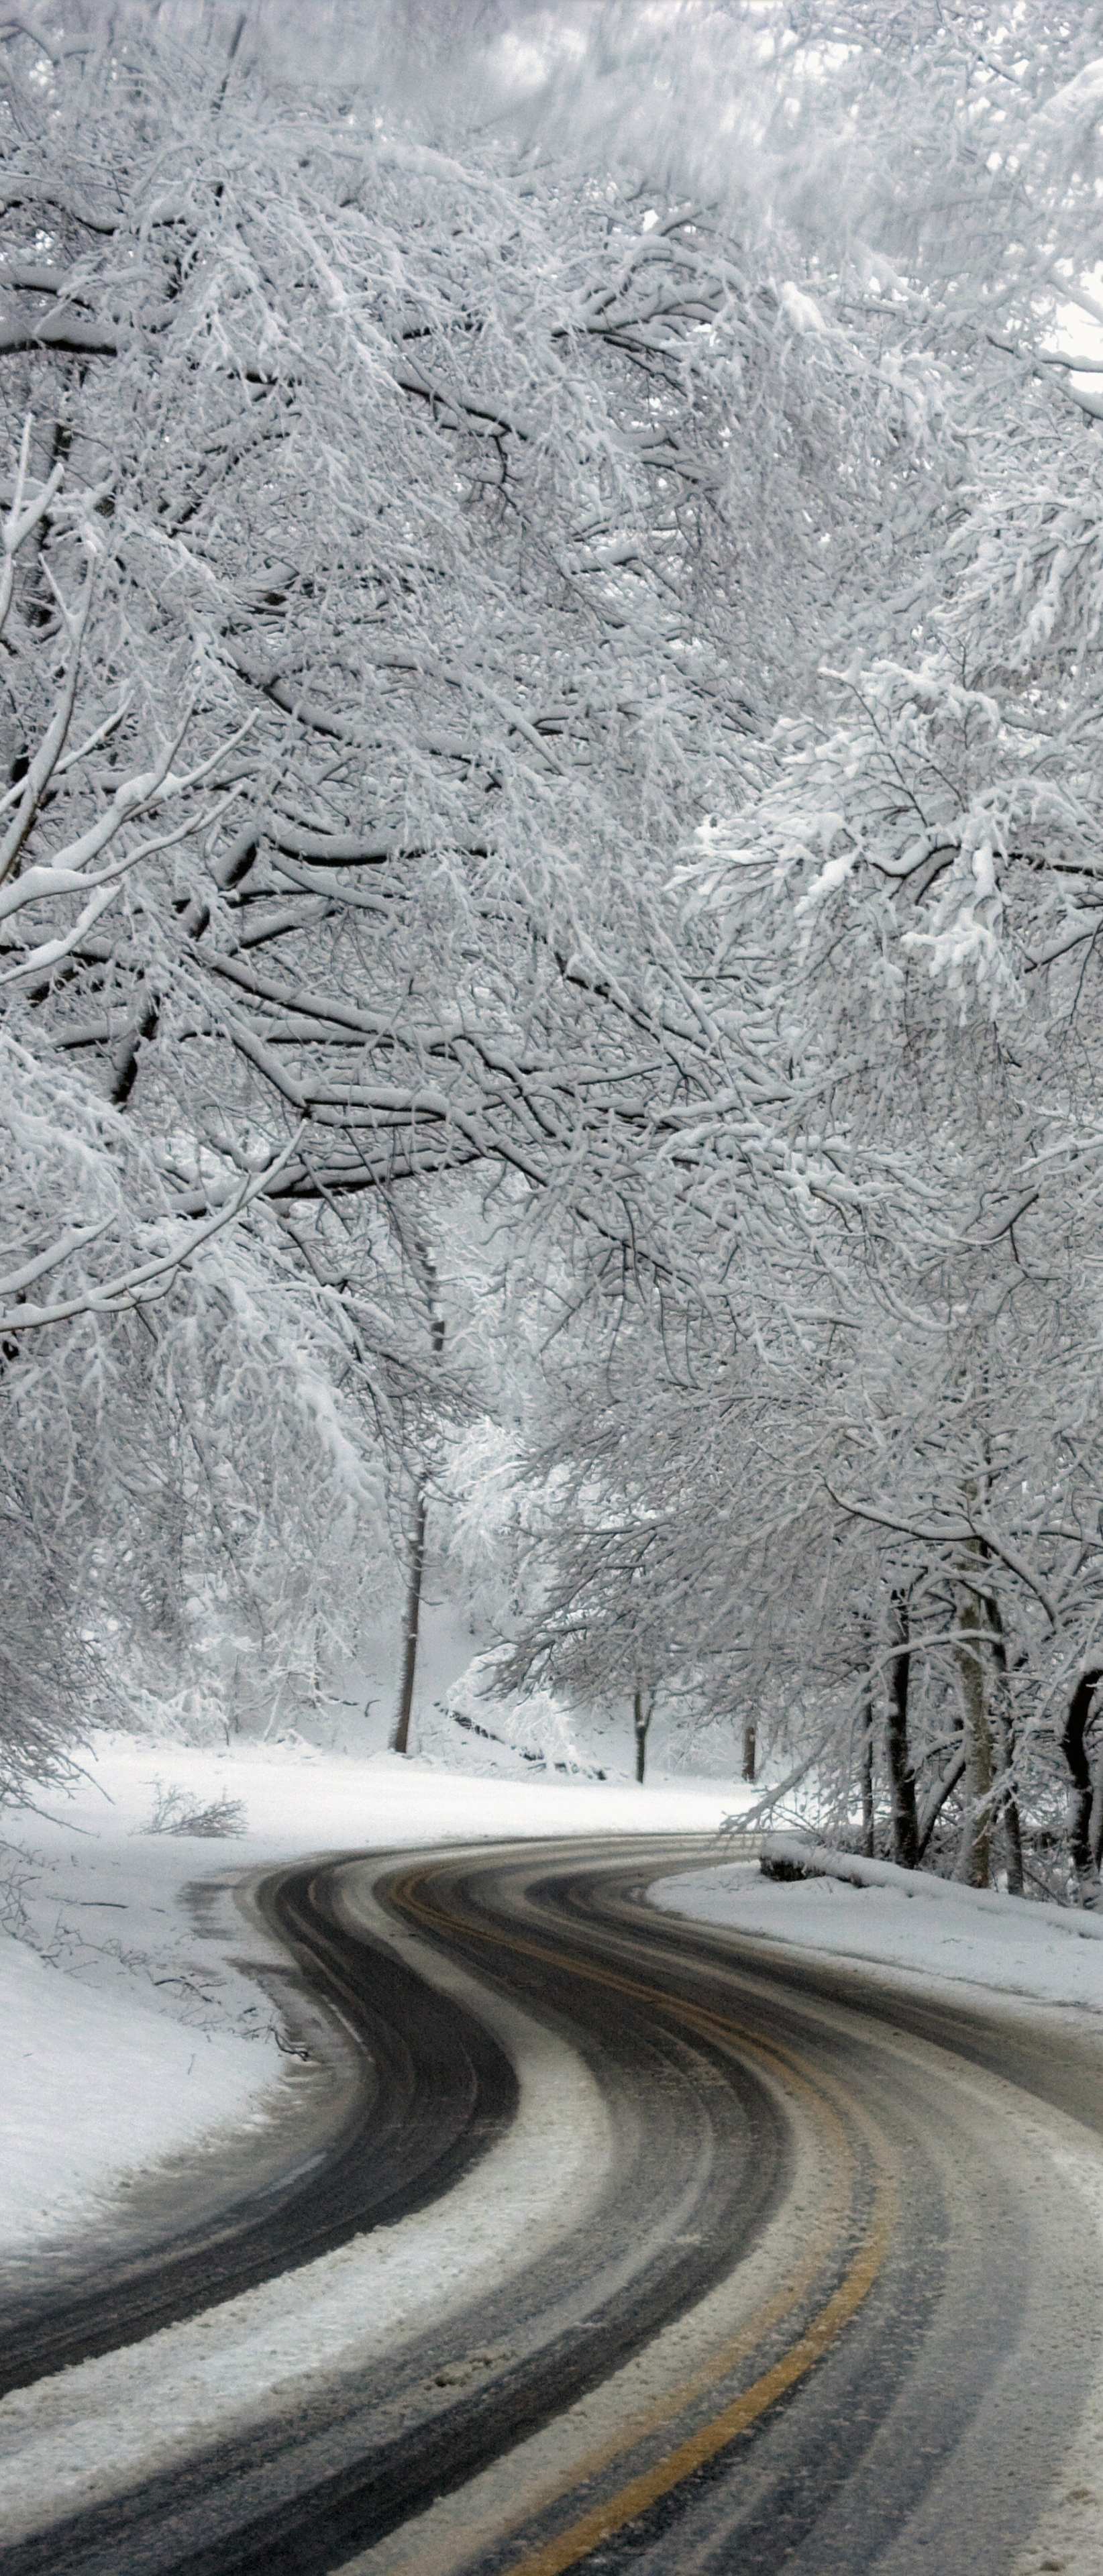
(641, 1720)
(400, 1739)
(124, 1060)
(750, 1751)
(1095, 1828)
(867, 1780)
(937, 1795)
(1009, 1807)
(905, 1831)
(1075, 1752)
(974, 1863)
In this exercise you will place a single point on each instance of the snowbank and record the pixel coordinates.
(96, 2085)
(83, 2434)
(127, 2031)
(898, 1918)
(789, 1856)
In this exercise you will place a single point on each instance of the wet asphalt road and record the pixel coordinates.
(833, 2306)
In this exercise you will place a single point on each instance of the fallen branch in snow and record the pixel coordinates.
(526, 1752)
(180, 1811)
(744, 1820)
(287, 2047)
(788, 1856)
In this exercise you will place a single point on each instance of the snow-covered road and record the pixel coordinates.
(130, 2031)
(738, 2176)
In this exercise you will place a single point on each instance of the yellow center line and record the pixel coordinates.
(600, 2524)
(700, 2016)
(403, 1893)
(585, 2534)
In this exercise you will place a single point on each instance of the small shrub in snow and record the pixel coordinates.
(18, 1873)
(180, 1811)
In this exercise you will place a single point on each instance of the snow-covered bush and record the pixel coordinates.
(193, 1472)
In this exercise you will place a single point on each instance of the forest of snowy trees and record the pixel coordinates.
(551, 755)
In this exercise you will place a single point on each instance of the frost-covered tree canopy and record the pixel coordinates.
(549, 615)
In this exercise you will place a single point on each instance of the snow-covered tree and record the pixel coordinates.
(563, 653)
(411, 483)
(386, 597)
(929, 817)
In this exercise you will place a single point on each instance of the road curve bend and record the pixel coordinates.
(822, 2291)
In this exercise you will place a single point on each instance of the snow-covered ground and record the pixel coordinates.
(459, 1721)
(113, 1993)
(907, 1921)
(132, 2034)
(91, 2431)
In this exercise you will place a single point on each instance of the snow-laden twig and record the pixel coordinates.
(148, 1280)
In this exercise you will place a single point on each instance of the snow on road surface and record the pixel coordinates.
(93, 2430)
(128, 2036)
(132, 2036)
(944, 1936)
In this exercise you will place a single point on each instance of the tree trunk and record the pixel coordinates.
(905, 1831)
(750, 1751)
(974, 1863)
(1009, 1807)
(1095, 1829)
(400, 1740)
(937, 1795)
(867, 1780)
(641, 1720)
(1075, 1752)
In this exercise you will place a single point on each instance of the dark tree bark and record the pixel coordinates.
(124, 1063)
(867, 1779)
(1009, 1807)
(641, 1720)
(1075, 1751)
(400, 1740)
(1095, 1830)
(905, 1827)
(941, 1789)
(974, 1864)
(750, 1751)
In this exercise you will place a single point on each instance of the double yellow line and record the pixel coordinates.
(591, 2528)
(815, 2339)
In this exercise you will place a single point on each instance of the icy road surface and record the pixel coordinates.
(794, 2268)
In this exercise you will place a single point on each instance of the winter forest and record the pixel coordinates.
(551, 754)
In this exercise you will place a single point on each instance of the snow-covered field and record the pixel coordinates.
(908, 1921)
(128, 2033)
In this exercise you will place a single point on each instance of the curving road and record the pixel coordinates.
(826, 2296)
